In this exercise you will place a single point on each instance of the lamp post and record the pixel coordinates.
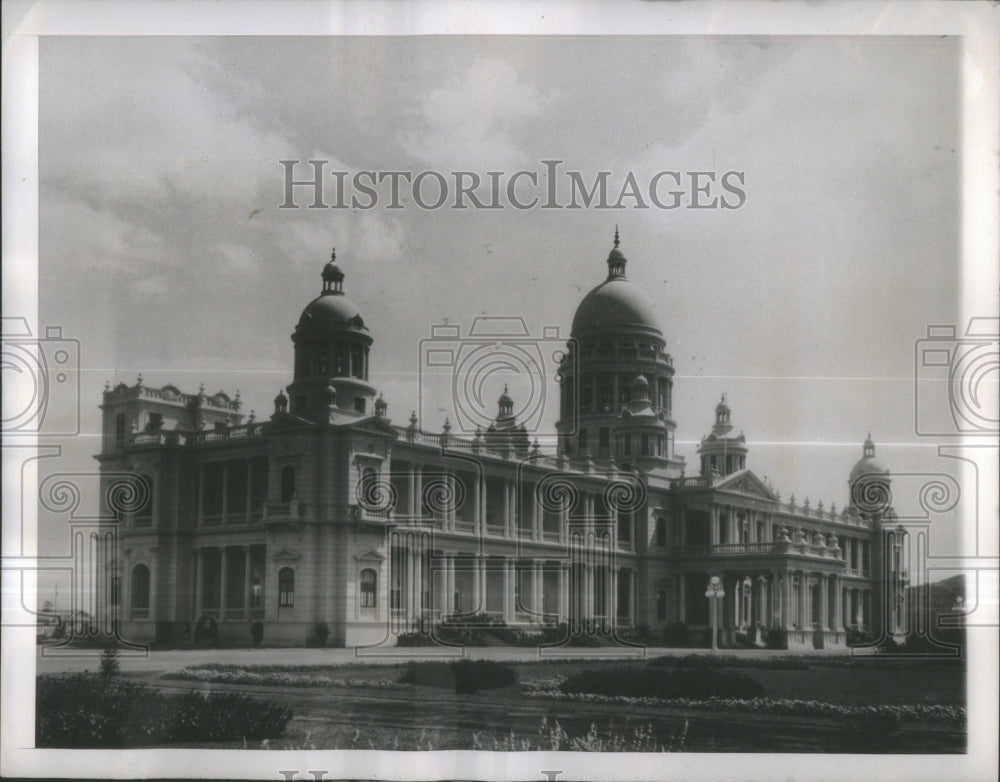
(714, 593)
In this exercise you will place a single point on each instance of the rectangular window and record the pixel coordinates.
(120, 429)
(286, 587)
(155, 422)
(143, 516)
(236, 490)
(359, 404)
(605, 440)
(368, 588)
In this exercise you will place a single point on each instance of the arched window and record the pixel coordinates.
(661, 532)
(287, 483)
(661, 606)
(286, 587)
(140, 592)
(116, 590)
(369, 588)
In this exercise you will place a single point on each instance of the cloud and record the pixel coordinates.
(474, 118)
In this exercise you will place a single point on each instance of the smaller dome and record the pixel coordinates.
(332, 272)
(867, 465)
(505, 400)
(640, 387)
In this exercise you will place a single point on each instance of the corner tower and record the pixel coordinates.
(720, 452)
(615, 339)
(331, 354)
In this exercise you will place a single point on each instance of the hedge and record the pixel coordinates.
(670, 683)
(464, 676)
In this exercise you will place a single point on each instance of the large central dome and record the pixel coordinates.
(616, 303)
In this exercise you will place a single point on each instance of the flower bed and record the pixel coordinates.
(550, 688)
(276, 679)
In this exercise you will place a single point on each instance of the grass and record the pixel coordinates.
(855, 682)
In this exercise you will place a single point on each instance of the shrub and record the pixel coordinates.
(90, 711)
(634, 681)
(464, 676)
(110, 665)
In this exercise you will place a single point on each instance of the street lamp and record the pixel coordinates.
(714, 593)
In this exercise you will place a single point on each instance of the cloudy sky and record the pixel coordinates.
(163, 250)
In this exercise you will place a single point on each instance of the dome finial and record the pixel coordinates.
(333, 275)
(616, 261)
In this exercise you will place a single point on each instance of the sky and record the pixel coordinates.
(163, 249)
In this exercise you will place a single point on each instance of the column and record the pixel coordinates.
(411, 488)
(418, 504)
(508, 593)
(681, 598)
(536, 516)
(478, 603)
(506, 508)
(450, 510)
(788, 612)
(838, 605)
(824, 602)
(449, 584)
(588, 591)
(249, 511)
(477, 514)
(154, 585)
(563, 595)
(537, 585)
(735, 597)
(612, 609)
(805, 620)
(223, 580)
(774, 593)
(714, 531)
(199, 581)
(225, 493)
(247, 563)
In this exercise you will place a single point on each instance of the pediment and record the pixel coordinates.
(745, 482)
(371, 555)
(373, 424)
(286, 556)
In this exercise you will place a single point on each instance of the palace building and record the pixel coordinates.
(329, 514)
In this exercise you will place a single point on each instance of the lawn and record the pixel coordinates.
(363, 706)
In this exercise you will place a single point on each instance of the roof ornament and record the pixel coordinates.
(617, 241)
